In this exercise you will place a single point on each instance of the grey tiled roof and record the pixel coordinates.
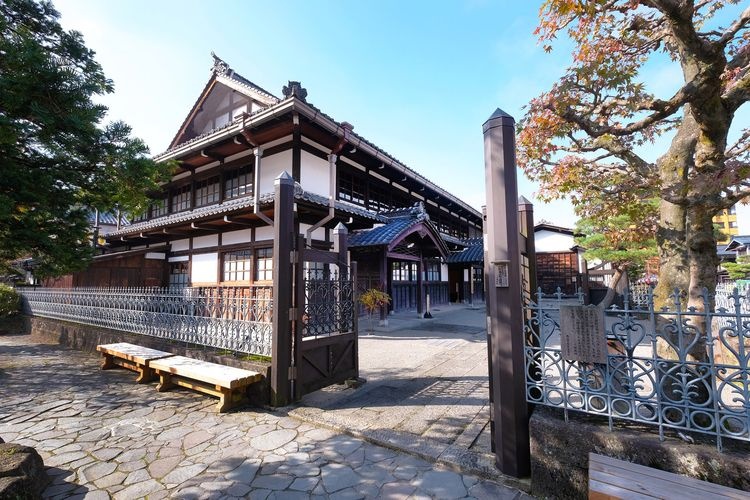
(396, 222)
(472, 253)
(382, 235)
(239, 204)
(107, 218)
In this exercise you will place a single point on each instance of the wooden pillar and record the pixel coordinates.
(509, 410)
(284, 237)
(420, 286)
(385, 280)
(526, 221)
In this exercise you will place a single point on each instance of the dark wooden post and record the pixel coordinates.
(384, 276)
(284, 237)
(420, 286)
(526, 221)
(509, 413)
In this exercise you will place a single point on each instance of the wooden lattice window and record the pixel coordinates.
(239, 182)
(181, 199)
(264, 264)
(207, 192)
(237, 265)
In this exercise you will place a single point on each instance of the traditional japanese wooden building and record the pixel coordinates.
(209, 226)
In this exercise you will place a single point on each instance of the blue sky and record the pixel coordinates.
(418, 78)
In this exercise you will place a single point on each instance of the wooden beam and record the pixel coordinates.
(231, 220)
(250, 138)
(172, 232)
(210, 154)
(193, 225)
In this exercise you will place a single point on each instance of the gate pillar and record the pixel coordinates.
(509, 421)
(284, 237)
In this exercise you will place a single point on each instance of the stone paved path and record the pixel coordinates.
(103, 436)
(427, 390)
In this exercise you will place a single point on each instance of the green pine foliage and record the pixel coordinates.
(57, 157)
(738, 270)
(622, 240)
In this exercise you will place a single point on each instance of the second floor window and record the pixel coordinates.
(351, 188)
(160, 208)
(238, 182)
(207, 192)
(181, 199)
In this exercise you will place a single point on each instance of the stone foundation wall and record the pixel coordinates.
(86, 338)
(559, 453)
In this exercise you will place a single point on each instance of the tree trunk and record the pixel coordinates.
(671, 237)
(612, 288)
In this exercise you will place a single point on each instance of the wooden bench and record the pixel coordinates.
(225, 382)
(610, 478)
(133, 357)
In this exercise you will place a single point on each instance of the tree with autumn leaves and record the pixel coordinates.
(583, 138)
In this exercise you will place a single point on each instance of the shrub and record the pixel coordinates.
(372, 300)
(10, 301)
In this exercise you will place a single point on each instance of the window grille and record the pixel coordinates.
(237, 265)
(160, 208)
(179, 274)
(207, 192)
(181, 199)
(239, 182)
(351, 188)
(264, 264)
(432, 271)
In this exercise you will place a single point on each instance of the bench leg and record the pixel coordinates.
(145, 374)
(225, 399)
(107, 362)
(165, 381)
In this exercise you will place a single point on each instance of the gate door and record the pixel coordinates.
(325, 331)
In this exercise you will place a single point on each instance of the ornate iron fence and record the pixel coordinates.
(233, 318)
(329, 304)
(661, 368)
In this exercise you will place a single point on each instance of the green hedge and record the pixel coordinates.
(10, 301)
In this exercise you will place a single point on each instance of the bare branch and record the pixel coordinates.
(739, 92)
(735, 27)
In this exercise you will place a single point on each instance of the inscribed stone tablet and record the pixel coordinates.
(582, 335)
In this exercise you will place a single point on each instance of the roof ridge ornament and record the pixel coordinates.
(419, 211)
(220, 66)
(294, 89)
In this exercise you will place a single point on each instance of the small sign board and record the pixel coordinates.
(501, 275)
(582, 335)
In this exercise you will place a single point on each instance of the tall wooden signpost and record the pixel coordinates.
(502, 267)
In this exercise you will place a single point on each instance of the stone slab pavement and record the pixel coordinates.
(427, 390)
(103, 436)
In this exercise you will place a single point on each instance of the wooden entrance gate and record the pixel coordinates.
(324, 350)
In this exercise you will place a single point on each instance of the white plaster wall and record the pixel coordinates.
(263, 233)
(318, 234)
(204, 267)
(271, 167)
(210, 240)
(550, 241)
(743, 219)
(314, 174)
(179, 245)
(443, 272)
(233, 237)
